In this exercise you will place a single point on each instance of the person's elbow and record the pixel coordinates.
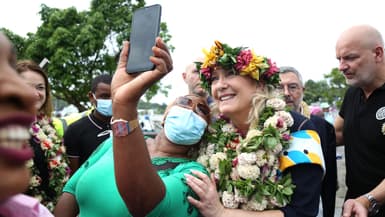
(338, 126)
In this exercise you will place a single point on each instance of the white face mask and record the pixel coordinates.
(104, 106)
(183, 126)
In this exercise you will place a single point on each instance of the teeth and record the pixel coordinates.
(14, 137)
(12, 144)
(225, 98)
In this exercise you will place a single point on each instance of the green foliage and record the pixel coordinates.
(337, 84)
(82, 45)
(19, 42)
(330, 90)
(159, 108)
(315, 91)
(224, 171)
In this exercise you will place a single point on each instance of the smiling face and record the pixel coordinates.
(16, 115)
(36, 81)
(233, 94)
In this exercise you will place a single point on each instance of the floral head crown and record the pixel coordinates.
(241, 61)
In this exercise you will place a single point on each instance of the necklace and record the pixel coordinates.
(55, 159)
(103, 133)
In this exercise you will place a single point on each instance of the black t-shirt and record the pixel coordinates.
(83, 136)
(364, 139)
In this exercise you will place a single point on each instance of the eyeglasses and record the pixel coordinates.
(199, 108)
(292, 88)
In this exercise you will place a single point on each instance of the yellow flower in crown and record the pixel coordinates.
(212, 57)
(239, 60)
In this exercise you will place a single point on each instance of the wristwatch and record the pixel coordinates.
(374, 206)
(122, 127)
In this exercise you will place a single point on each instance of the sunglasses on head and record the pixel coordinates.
(198, 108)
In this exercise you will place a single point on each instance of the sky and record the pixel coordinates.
(298, 33)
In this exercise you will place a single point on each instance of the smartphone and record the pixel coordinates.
(145, 27)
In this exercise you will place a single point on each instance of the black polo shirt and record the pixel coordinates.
(83, 136)
(363, 139)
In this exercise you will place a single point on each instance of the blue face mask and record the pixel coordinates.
(184, 127)
(104, 106)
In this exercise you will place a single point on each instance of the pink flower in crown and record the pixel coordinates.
(206, 72)
(272, 69)
(243, 59)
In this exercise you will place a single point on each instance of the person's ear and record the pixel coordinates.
(91, 98)
(184, 76)
(379, 53)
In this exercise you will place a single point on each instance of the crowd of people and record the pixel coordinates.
(242, 142)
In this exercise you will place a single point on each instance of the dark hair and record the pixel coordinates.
(29, 65)
(105, 78)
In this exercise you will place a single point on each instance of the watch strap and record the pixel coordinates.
(373, 205)
(121, 127)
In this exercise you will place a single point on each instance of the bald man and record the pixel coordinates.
(360, 125)
(191, 78)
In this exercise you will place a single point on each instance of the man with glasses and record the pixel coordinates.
(83, 136)
(293, 90)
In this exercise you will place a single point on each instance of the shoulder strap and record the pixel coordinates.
(166, 166)
(302, 123)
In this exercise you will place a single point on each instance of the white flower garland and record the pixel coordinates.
(246, 169)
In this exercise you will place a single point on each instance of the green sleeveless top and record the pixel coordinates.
(95, 190)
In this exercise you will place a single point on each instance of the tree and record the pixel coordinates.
(338, 86)
(81, 45)
(315, 91)
(331, 89)
(19, 42)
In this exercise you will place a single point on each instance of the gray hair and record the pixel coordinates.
(287, 69)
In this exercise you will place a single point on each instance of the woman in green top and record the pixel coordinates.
(149, 176)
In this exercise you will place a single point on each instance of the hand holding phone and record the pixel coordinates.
(145, 28)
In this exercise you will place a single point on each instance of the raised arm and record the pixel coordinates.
(138, 183)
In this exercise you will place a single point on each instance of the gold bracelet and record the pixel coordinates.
(121, 127)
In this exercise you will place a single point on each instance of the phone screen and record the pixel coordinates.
(145, 27)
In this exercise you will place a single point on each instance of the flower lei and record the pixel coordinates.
(240, 60)
(246, 170)
(45, 134)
